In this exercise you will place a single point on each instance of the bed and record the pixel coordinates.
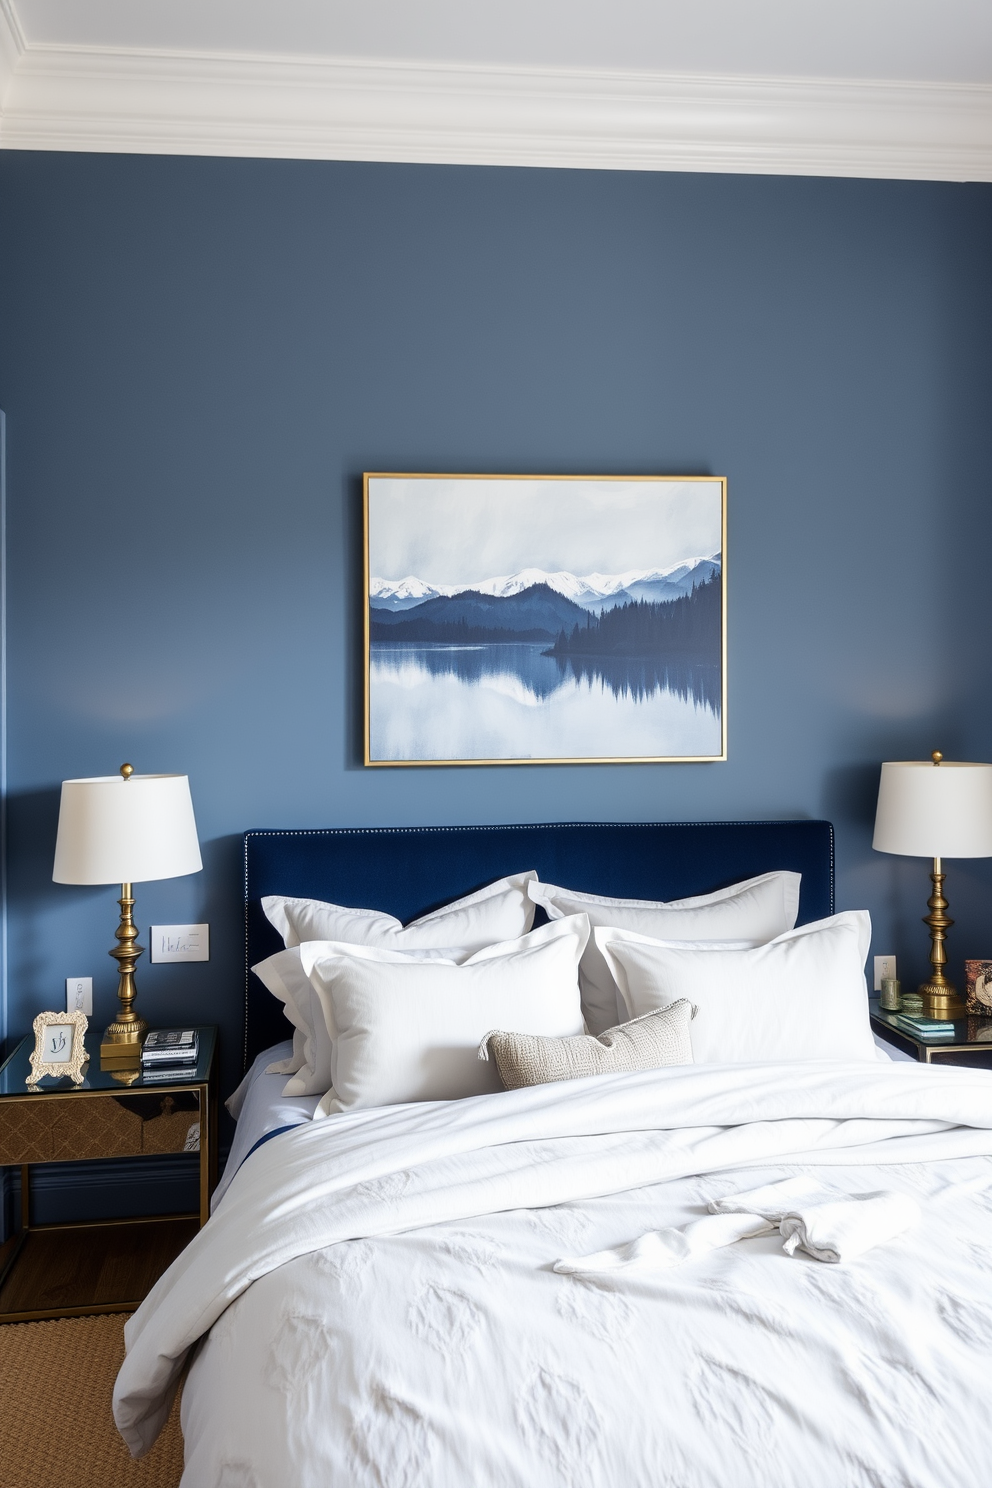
(374, 1300)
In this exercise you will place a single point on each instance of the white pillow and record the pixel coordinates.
(500, 911)
(802, 996)
(309, 1066)
(403, 1029)
(295, 1061)
(755, 911)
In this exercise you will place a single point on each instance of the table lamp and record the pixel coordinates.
(125, 829)
(935, 810)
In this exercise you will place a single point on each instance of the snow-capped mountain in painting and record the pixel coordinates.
(595, 592)
(402, 594)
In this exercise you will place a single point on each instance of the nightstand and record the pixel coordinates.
(68, 1270)
(970, 1043)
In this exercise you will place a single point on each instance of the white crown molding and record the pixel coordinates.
(11, 49)
(186, 104)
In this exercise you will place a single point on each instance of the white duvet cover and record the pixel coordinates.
(377, 1303)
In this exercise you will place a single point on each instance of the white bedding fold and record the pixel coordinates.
(827, 1225)
(660, 1249)
(774, 1200)
(384, 1171)
(846, 1228)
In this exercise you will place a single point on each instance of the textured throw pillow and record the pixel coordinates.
(500, 911)
(649, 1042)
(753, 911)
(405, 1029)
(802, 996)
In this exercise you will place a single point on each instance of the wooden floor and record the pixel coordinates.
(72, 1270)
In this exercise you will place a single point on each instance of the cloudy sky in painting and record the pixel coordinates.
(462, 531)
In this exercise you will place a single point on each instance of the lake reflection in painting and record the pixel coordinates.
(440, 701)
(544, 618)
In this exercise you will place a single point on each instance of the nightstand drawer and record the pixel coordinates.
(25, 1131)
(72, 1128)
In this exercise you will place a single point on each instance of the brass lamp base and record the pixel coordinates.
(120, 1046)
(941, 1000)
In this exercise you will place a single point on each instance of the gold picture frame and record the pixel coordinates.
(50, 1044)
(520, 667)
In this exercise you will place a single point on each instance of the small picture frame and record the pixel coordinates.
(59, 1047)
(978, 988)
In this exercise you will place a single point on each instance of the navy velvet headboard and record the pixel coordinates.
(408, 871)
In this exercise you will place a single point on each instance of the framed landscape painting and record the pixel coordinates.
(544, 619)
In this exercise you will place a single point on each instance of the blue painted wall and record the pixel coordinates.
(198, 358)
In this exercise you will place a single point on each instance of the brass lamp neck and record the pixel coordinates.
(940, 996)
(127, 1027)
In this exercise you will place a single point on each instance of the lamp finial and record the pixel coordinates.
(128, 770)
(936, 756)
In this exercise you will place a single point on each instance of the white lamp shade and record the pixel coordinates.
(934, 811)
(113, 830)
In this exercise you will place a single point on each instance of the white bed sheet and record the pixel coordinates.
(259, 1106)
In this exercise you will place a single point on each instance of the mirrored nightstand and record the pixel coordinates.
(970, 1043)
(68, 1270)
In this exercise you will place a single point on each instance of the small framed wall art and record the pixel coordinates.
(539, 619)
(978, 988)
(59, 1047)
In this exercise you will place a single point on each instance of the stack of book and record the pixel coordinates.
(925, 1028)
(169, 1048)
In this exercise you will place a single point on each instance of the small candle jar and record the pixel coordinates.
(891, 999)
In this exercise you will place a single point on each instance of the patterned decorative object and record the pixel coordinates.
(658, 1038)
(891, 998)
(978, 988)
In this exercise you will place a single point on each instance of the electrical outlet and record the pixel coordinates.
(180, 942)
(885, 966)
(79, 995)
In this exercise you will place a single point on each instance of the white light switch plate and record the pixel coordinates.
(180, 942)
(79, 995)
(885, 966)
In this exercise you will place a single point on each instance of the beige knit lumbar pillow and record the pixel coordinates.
(657, 1038)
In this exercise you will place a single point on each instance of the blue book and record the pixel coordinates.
(926, 1028)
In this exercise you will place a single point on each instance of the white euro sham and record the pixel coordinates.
(404, 1029)
(802, 996)
(755, 910)
(500, 911)
(309, 1066)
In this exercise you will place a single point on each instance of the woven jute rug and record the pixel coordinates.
(56, 1426)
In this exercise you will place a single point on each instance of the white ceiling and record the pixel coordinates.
(932, 40)
(825, 87)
